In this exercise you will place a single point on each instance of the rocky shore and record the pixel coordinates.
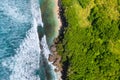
(54, 57)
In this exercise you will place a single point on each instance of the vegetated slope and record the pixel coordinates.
(90, 48)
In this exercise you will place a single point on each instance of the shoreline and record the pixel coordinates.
(54, 57)
(57, 15)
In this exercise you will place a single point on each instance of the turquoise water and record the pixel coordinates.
(23, 53)
(50, 19)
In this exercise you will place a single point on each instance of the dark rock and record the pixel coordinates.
(51, 58)
(53, 48)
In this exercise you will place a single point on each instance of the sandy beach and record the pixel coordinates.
(56, 11)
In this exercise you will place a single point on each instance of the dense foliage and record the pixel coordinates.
(91, 42)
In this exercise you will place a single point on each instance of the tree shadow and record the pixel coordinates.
(63, 21)
(65, 68)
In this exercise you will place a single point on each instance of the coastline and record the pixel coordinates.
(57, 15)
(82, 56)
(51, 15)
(54, 57)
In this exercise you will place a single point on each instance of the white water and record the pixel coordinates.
(35, 7)
(24, 64)
(27, 60)
(13, 11)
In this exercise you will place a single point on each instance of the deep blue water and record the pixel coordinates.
(21, 56)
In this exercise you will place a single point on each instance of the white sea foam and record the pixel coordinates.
(11, 10)
(45, 48)
(26, 61)
(36, 12)
(46, 52)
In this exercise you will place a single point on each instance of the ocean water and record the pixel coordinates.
(23, 46)
(50, 19)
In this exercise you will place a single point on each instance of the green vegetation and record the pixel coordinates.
(91, 42)
(83, 3)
